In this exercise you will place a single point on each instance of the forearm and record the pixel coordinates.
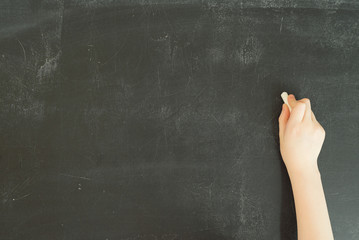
(311, 209)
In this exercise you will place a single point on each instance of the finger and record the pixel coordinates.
(283, 119)
(297, 114)
(308, 109)
(292, 101)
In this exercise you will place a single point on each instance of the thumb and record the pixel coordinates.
(283, 119)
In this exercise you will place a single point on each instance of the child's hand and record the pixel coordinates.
(301, 136)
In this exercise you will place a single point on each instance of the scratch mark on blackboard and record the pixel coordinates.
(23, 50)
(168, 21)
(199, 94)
(7, 195)
(117, 51)
(216, 120)
(49, 67)
(73, 176)
(20, 185)
(281, 25)
(16, 199)
(209, 229)
(185, 104)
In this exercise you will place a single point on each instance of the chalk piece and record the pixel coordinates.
(284, 96)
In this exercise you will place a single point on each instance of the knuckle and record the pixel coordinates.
(301, 104)
(306, 100)
(320, 130)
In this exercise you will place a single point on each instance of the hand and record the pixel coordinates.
(301, 136)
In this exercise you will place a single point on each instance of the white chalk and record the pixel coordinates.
(284, 96)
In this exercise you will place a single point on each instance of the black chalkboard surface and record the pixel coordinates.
(154, 120)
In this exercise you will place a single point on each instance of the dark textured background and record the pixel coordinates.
(154, 120)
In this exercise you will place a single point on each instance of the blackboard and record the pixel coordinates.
(158, 119)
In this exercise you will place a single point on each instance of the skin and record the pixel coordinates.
(301, 138)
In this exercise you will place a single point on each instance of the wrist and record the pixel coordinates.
(306, 173)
